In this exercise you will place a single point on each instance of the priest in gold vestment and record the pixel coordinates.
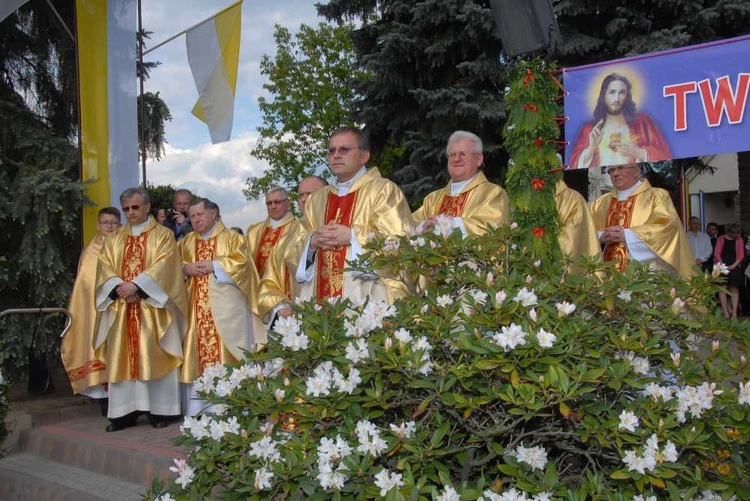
(338, 220)
(87, 375)
(577, 232)
(140, 293)
(261, 240)
(637, 221)
(276, 290)
(215, 261)
(474, 204)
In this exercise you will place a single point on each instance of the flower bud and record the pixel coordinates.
(287, 382)
(715, 345)
(388, 343)
(280, 394)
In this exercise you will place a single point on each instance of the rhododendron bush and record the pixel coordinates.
(508, 378)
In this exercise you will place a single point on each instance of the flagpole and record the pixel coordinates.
(190, 28)
(143, 100)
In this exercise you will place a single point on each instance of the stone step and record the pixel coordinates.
(136, 455)
(27, 477)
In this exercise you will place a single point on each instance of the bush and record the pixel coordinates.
(508, 379)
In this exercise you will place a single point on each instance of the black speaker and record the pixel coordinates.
(525, 25)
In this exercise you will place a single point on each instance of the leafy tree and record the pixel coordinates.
(155, 111)
(434, 68)
(310, 81)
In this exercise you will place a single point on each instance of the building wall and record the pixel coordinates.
(720, 190)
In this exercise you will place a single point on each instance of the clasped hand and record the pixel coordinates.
(613, 234)
(330, 236)
(198, 268)
(128, 292)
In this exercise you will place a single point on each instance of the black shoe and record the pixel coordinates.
(111, 427)
(120, 423)
(159, 424)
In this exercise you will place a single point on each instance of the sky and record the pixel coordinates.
(219, 171)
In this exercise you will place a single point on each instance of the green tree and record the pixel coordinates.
(155, 111)
(310, 83)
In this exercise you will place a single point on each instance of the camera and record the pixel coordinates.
(170, 213)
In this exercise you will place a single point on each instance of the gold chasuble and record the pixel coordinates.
(577, 233)
(219, 323)
(76, 350)
(142, 340)
(374, 205)
(277, 284)
(480, 205)
(650, 214)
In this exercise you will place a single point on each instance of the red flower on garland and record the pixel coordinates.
(538, 142)
(529, 76)
(538, 232)
(538, 184)
(532, 107)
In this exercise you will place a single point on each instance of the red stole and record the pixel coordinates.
(133, 262)
(454, 206)
(330, 272)
(207, 336)
(268, 241)
(619, 214)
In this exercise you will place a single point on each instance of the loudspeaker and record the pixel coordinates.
(525, 25)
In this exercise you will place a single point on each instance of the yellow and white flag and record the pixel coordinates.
(108, 96)
(213, 49)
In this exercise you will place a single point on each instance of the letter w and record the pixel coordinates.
(725, 100)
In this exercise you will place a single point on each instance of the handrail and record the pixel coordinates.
(40, 311)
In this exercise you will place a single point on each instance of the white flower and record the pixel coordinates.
(695, 400)
(509, 337)
(536, 457)
(641, 464)
(404, 430)
(444, 301)
(316, 386)
(526, 297)
(628, 421)
(513, 225)
(720, 269)
(500, 297)
(565, 308)
(165, 497)
(386, 481)
(263, 479)
(330, 478)
(529, 279)
(478, 296)
(640, 365)
(449, 494)
(287, 326)
(744, 397)
(537, 263)
(280, 394)
(638, 497)
(346, 385)
(224, 388)
(444, 226)
(403, 336)
(678, 306)
(357, 351)
(669, 452)
(333, 449)
(185, 472)
(655, 391)
(545, 339)
(625, 295)
(709, 495)
(417, 242)
(265, 449)
(391, 245)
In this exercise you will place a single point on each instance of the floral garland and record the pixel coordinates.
(531, 138)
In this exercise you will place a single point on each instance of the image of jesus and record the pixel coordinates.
(618, 134)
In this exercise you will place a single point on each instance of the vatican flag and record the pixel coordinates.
(213, 49)
(108, 94)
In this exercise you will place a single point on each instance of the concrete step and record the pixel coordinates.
(27, 477)
(136, 455)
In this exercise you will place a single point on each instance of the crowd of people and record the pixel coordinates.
(158, 301)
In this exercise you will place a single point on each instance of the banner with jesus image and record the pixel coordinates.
(680, 103)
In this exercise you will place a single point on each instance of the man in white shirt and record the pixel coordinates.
(700, 243)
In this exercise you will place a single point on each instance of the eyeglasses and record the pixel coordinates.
(343, 150)
(618, 168)
(276, 202)
(109, 224)
(132, 207)
(462, 155)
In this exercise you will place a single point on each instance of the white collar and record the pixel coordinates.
(275, 223)
(458, 187)
(137, 229)
(625, 194)
(344, 187)
(207, 235)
